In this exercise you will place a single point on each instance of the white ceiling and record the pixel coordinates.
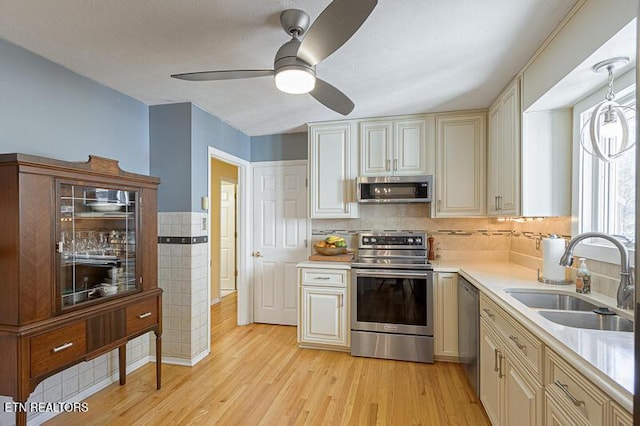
(410, 56)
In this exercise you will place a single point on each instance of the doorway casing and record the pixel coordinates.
(243, 220)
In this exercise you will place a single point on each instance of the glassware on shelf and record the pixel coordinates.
(97, 248)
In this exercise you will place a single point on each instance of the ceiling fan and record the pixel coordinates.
(294, 66)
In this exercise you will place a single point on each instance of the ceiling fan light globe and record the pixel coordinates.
(295, 80)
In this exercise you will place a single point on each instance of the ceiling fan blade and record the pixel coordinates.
(331, 97)
(335, 25)
(222, 75)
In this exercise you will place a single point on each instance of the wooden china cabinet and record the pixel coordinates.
(78, 267)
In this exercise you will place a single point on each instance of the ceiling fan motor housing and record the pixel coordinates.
(286, 58)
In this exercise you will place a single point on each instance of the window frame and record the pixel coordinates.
(595, 248)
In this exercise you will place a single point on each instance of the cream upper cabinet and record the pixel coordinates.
(445, 337)
(503, 183)
(333, 167)
(393, 147)
(460, 165)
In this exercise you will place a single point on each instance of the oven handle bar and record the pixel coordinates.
(383, 273)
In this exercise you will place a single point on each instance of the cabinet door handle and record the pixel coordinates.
(495, 202)
(146, 314)
(62, 347)
(322, 278)
(395, 164)
(565, 388)
(518, 344)
(341, 300)
(387, 167)
(491, 315)
(495, 359)
(500, 373)
(500, 202)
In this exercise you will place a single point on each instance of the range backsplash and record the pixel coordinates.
(516, 240)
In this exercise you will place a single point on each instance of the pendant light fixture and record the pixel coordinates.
(605, 134)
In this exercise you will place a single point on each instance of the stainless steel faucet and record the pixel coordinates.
(626, 289)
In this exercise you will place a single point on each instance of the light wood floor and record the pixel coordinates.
(256, 374)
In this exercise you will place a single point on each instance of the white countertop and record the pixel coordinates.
(605, 357)
(324, 265)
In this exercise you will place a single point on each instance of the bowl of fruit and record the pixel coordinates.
(331, 246)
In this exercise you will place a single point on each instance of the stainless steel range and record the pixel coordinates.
(392, 297)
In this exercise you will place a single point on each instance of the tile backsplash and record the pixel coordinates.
(517, 240)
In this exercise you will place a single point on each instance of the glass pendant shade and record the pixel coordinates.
(607, 137)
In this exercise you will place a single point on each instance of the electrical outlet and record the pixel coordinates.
(204, 223)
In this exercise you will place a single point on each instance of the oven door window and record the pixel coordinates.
(401, 301)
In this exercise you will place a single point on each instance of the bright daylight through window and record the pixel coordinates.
(607, 202)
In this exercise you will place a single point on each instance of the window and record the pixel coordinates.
(606, 191)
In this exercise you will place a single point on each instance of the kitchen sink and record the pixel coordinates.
(551, 301)
(589, 320)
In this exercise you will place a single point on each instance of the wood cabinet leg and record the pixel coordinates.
(158, 361)
(122, 363)
(21, 418)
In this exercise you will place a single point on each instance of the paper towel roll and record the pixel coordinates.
(552, 250)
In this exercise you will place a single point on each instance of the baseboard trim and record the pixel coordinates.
(182, 361)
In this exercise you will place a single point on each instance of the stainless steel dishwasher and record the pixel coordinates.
(469, 331)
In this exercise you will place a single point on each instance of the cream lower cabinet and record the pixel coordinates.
(324, 313)
(445, 297)
(513, 390)
(510, 369)
(572, 399)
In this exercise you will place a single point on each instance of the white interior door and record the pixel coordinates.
(227, 238)
(279, 233)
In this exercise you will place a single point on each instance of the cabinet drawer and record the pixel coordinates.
(142, 315)
(520, 340)
(620, 416)
(324, 277)
(574, 392)
(57, 348)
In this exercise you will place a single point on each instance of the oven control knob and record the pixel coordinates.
(365, 239)
(410, 240)
(373, 240)
(419, 240)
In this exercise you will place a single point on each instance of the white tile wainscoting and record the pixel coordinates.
(77, 383)
(182, 274)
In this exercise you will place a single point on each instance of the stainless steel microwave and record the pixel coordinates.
(394, 189)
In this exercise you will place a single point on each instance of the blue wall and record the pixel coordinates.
(180, 135)
(289, 146)
(47, 110)
(50, 111)
(170, 155)
(207, 130)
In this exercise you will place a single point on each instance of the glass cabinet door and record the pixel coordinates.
(96, 236)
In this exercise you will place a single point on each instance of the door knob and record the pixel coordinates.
(256, 254)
